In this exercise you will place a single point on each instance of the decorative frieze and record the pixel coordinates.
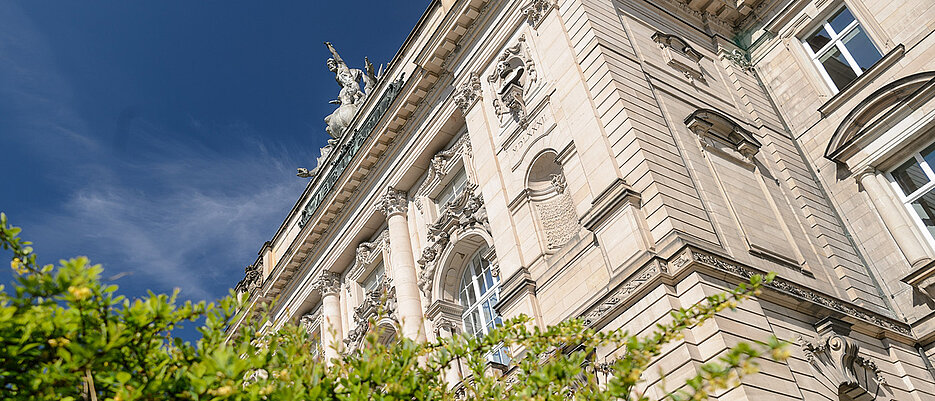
(788, 288)
(394, 202)
(467, 93)
(328, 282)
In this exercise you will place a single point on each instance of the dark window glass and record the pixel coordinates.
(837, 68)
(841, 20)
(861, 48)
(818, 40)
(910, 176)
(925, 209)
(929, 155)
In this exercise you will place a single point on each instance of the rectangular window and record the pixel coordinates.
(451, 189)
(914, 180)
(841, 49)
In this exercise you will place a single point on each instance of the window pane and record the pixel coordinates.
(488, 312)
(929, 155)
(861, 48)
(841, 20)
(925, 209)
(837, 68)
(818, 40)
(910, 176)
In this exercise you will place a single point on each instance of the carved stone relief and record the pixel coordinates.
(440, 166)
(466, 93)
(464, 212)
(253, 278)
(536, 10)
(378, 304)
(394, 202)
(512, 79)
(311, 321)
(367, 253)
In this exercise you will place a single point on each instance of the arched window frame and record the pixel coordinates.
(478, 294)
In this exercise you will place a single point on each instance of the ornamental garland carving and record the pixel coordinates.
(467, 93)
(394, 202)
(328, 282)
(512, 79)
(464, 212)
(536, 10)
(620, 295)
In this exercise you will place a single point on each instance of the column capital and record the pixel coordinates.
(864, 172)
(328, 282)
(394, 202)
(466, 93)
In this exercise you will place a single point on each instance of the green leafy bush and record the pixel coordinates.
(64, 335)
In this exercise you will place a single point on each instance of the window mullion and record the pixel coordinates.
(850, 59)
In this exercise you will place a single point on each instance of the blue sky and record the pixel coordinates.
(161, 138)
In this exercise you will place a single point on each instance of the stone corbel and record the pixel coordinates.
(835, 357)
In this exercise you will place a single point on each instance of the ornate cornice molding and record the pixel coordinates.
(467, 93)
(618, 297)
(394, 202)
(328, 282)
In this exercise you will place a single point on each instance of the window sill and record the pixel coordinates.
(855, 86)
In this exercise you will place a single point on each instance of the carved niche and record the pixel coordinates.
(835, 360)
(464, 212)
(679, 55)
(512, 79)
(553, 205)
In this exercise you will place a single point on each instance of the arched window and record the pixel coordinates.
(480, 291)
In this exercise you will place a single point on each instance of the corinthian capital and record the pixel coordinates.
(328, 282)
(393, 202)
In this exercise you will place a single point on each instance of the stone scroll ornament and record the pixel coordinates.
(836, 359)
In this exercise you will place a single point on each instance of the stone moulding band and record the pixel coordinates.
(349, 149)
(642, 280)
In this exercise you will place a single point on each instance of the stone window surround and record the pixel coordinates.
(441, 170)
(870, 148)
(803, 18)
(368, 256)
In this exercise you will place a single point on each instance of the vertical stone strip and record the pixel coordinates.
(408, 302)
(332, 336)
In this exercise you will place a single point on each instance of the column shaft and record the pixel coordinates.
(405, 279)
(898, 226)
(332, 335)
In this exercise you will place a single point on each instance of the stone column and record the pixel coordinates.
(899, 226)
(402, 263)
(332, 333)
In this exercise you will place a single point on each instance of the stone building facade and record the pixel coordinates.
(613, 160)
